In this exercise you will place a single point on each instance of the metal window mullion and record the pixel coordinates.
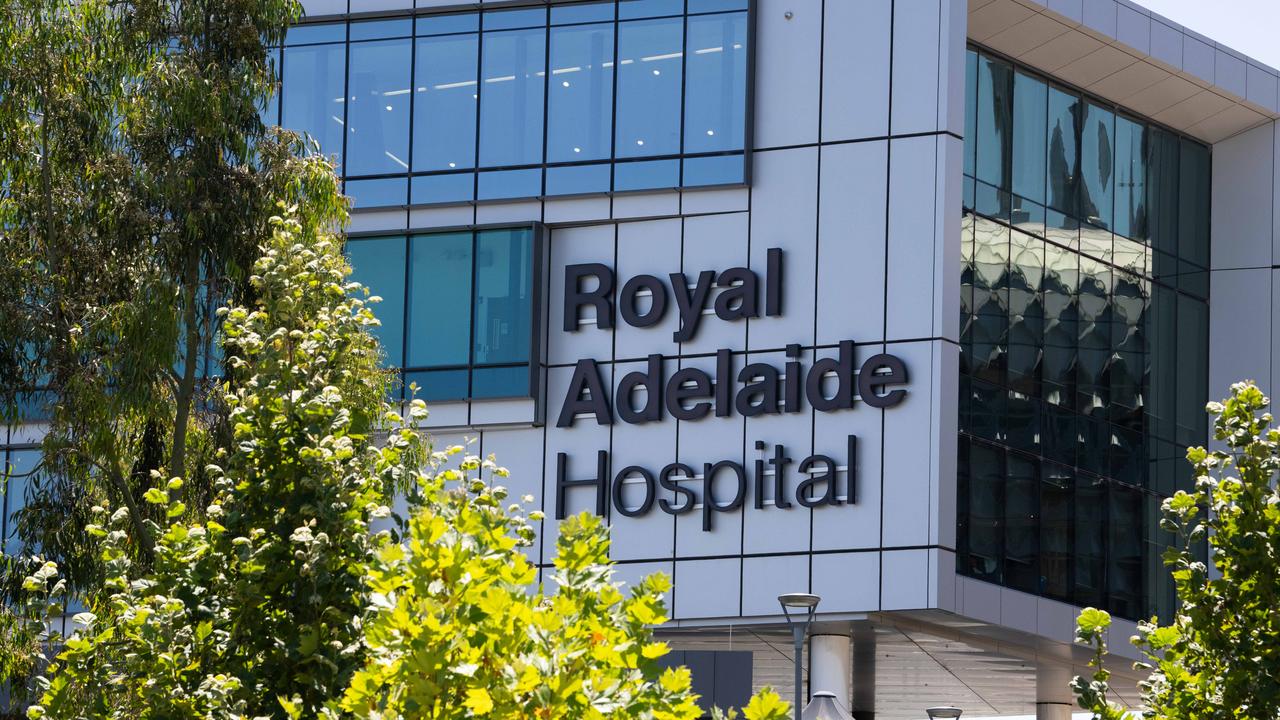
(546, 97)
(613, 113)
(475, 151)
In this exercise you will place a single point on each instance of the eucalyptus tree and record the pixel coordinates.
(136, 181)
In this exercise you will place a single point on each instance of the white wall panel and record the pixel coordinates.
(916, 44)
(783, 215)
(1239, 351)
(707, 588)
(714, 242)
(775, 529)
(568, 246)
(913, 276)
(847, 582)
(851, 242)
(904, 579)
(765, 578)
(787, 71)
(1243, 170)
(649, 446)
(648, 248)
(855, 70)
(911, 446)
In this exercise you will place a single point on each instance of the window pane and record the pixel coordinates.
(438, 385)
(582, 12)
(1060, 319)
(578, 179)
(1026, 312)
(1124, 557)
(378, 264)
(320, 33)
(1193, 221)
(446, 24)
(970, 110)
(1131, 179)
(451, 187)
(444, 117)
(503, 296)
(314, 82)
(986, 511)
(580, 97)
(1056, 521)
(1029, 108)
(509, 19)
(716, 83)
(652, 175)
(1097, 165)
(21, 464)
(511, 98)
(649, 8)
(1162, 190)
(995, 120)
(1193, 369)
(439, 300)
(715, 170)
(1063, 162)
(378, 111)
(1022, 525)
(379, 29)
(500, 382)
(649, 78)
(1090, 534)
(504, 184)
(380, 192)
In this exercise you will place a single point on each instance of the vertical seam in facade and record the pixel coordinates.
(888, 193)
(817, 292)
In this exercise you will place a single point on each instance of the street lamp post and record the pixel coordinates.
(807, 604)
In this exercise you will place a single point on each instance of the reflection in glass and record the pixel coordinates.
(580, 96)
(378, 111)
(1083, 339)
(20, 466)
(1029, 107)
(312, 95)
(649, 81)
(995, 122)
(1064, 161)
(511, 94)
(503, 297)
(1131, 179)
(378, 264)
(439, 300)
(445, 99)
(1097, 165)
(715, 83)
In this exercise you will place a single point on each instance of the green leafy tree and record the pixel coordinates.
(458, 629)
(1219, 655)
(255, 605)
(136, 182)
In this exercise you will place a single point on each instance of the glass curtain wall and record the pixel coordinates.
(589, 97)
(1084, 339)
(459, 321)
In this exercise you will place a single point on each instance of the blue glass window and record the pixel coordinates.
(445, 101)
(378, 110)
(470, 327)
(313, 95)
(524, 102)
(439, 300)
(20, 465)
(649, 79)
(378, 264)
(511, 91)
(715, 83)
(580, 95)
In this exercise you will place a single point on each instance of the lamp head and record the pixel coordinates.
(798, 601)
(943, 711)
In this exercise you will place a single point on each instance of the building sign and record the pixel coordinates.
(828, 385)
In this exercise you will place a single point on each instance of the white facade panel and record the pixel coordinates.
(788, 59)
(855, 70)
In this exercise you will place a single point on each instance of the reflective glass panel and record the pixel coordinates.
(511, 97)
(21, 465)
(1063, 162)
(445, 97)
(439, 300)
(378, 264)
(1131, 179)
(580, 96)
(715, 83)
(995, 122)
(1097, 165)
(312, 95)
(503, 296)
(1030, 104)
(649, 81)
